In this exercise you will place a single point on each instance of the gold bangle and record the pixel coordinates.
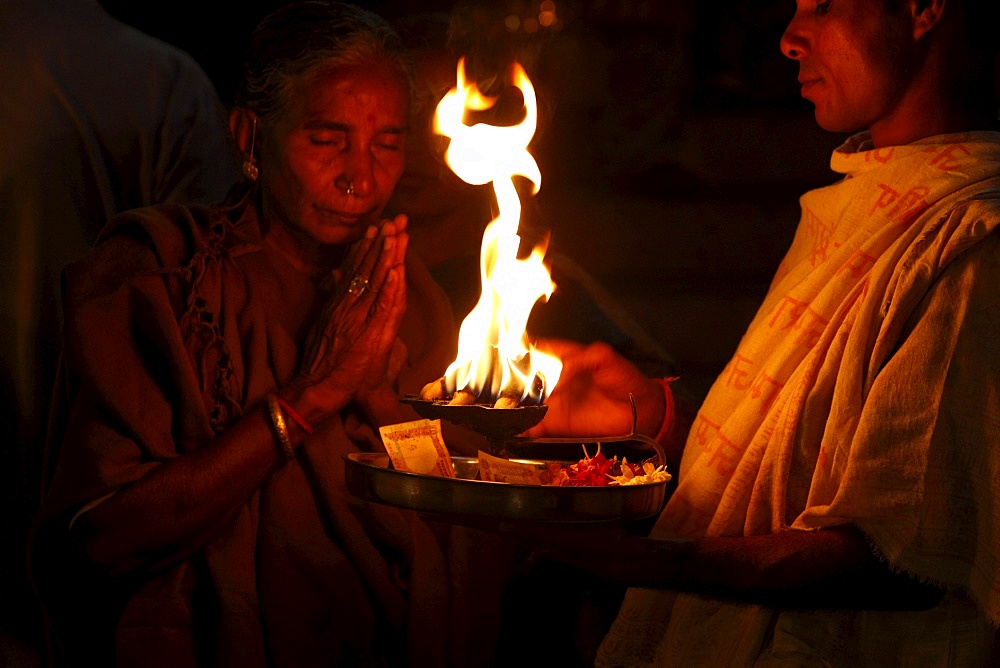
(280, 428)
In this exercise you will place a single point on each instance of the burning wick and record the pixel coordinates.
(496, 364)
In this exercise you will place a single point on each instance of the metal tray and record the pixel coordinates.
(370, 476)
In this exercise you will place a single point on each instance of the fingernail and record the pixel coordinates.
(371, 232)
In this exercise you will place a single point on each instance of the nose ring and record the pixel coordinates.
(350, 188)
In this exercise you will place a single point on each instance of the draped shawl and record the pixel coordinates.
(178, 324)
(866, 390)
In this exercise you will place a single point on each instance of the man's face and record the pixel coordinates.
(853, 62)
(330, 163)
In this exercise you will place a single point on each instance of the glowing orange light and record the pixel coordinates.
(494, 355)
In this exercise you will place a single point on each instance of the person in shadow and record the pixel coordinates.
(95, 118)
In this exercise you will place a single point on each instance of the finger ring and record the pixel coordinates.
(358, 285)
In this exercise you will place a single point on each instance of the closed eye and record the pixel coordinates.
(330, 138)
(390, 141)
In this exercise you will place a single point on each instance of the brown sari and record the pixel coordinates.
(178, 323)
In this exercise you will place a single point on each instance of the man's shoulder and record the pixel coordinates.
(976, 208)
(987, 201)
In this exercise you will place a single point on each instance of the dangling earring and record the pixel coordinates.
(250, 169)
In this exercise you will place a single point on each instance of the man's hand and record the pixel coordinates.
(592, 395)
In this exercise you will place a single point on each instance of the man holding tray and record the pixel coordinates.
(838, 498)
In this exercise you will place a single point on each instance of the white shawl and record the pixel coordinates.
(867, 391)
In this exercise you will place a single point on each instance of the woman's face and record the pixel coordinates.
(331, 161)
(852, 59)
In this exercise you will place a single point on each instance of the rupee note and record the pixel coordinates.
(418, 447)
(498, 469)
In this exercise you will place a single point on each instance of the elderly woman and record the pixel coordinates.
(221, 361)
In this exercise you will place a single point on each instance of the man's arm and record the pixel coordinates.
(827, 568)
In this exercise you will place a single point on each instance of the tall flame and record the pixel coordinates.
(494, 355)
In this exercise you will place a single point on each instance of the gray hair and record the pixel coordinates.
(296, 38)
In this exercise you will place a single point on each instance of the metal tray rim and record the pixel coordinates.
(368, 476)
